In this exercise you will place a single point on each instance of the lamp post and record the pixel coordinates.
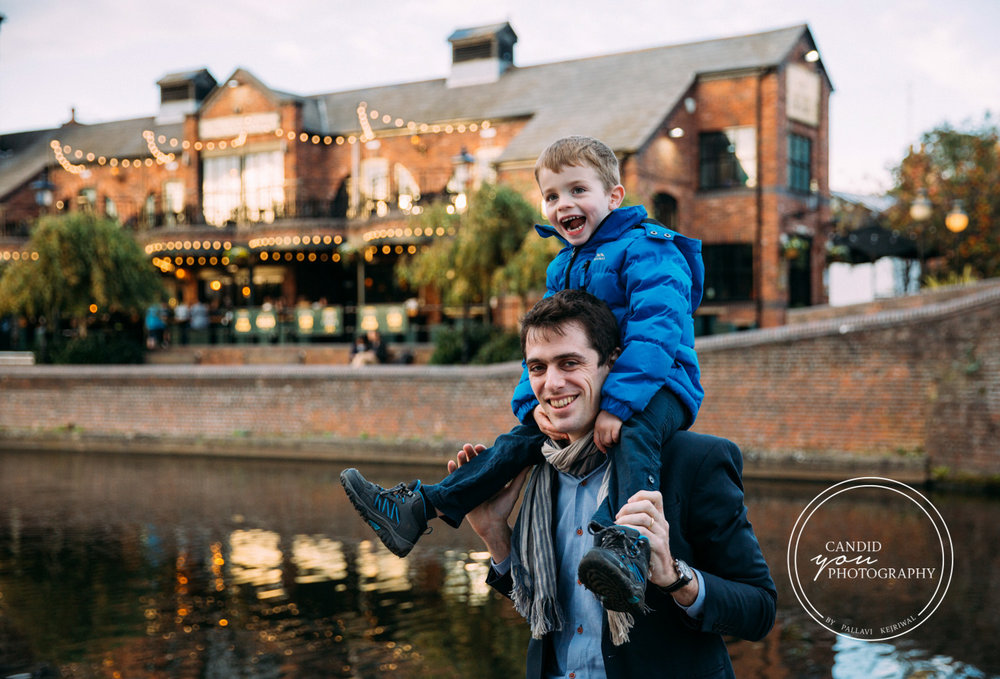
(956, 221)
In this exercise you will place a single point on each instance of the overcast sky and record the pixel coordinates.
(899, 67)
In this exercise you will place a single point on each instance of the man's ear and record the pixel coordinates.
(614, 357)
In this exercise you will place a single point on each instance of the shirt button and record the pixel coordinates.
(579, 531)
(579, 630)
(572, 675)
(583, 483)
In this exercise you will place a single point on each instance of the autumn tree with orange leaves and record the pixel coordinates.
(953, 165)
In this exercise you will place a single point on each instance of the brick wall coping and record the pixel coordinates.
(848, 324)
(506, 371)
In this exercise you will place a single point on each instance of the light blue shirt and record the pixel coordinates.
(578, 644)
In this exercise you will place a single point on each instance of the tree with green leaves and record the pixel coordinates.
(485, 256)
(953, 167)
(78, 261)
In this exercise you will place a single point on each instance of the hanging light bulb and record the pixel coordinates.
(922, 208)
(957, 220)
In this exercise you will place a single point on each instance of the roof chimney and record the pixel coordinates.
(182, 93)
(480, 55)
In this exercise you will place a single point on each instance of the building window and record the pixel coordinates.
(799, 163)
(665, 210)
(248, 188)
(480, 50)
(173, 202)
(728, 272)
(87, 200)
(728, 158)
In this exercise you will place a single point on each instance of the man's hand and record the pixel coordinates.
(644, 512)
(490, 520)
(607, 430)
(545, 424)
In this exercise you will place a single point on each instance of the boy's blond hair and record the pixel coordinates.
(581, 151)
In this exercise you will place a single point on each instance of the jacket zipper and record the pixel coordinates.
(569, 267)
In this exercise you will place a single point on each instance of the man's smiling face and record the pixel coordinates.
(566, 378)
(576, 201)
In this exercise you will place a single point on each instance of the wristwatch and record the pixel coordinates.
(684, 576)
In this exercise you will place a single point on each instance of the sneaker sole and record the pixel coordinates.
(603, 576)
(394, 542)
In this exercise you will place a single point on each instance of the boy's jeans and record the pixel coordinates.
(635, 462)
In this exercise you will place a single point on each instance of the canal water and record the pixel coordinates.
(125, 567)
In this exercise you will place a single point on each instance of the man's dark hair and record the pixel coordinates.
(553, 313)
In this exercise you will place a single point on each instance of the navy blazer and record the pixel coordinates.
(702, 491)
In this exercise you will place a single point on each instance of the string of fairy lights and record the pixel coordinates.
(163, 150)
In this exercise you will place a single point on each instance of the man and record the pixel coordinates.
(697, 518)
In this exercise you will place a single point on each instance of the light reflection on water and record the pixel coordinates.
(153, 567)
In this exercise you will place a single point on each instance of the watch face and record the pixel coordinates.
(684, 573)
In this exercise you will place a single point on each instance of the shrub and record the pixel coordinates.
(99, 348)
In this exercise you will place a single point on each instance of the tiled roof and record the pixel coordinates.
(619, 98)
(32, 151)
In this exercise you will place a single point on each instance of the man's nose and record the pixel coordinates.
(554, 378)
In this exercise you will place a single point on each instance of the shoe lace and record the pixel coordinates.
(624, 540)
(399, 491)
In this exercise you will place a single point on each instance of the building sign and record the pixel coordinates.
(236, 126)
(802, 87)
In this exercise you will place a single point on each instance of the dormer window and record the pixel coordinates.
(482, 50)
(481, 55)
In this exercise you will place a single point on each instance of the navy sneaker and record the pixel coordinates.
(398, 514)
(616, 568)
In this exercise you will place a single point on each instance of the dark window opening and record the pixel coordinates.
(799, 163)
(728, 272)
(665, 210)
(482, 50)
(175, 92)
(726, 159)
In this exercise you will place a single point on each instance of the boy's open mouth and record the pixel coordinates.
(573, 225)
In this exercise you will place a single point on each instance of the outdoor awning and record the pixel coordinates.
(874, 241)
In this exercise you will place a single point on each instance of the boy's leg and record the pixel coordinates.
(635, 460)
(616, 568)
(485, 475)
(399, 515)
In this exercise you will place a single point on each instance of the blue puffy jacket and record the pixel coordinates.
(652, 279)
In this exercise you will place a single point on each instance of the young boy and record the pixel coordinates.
(652, 279)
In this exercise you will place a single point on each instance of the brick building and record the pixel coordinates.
(244, 194)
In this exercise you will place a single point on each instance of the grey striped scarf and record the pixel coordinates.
(533, 558)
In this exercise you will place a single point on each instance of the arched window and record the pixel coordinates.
(665, 210)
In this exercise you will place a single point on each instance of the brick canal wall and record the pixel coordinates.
(903, 390)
